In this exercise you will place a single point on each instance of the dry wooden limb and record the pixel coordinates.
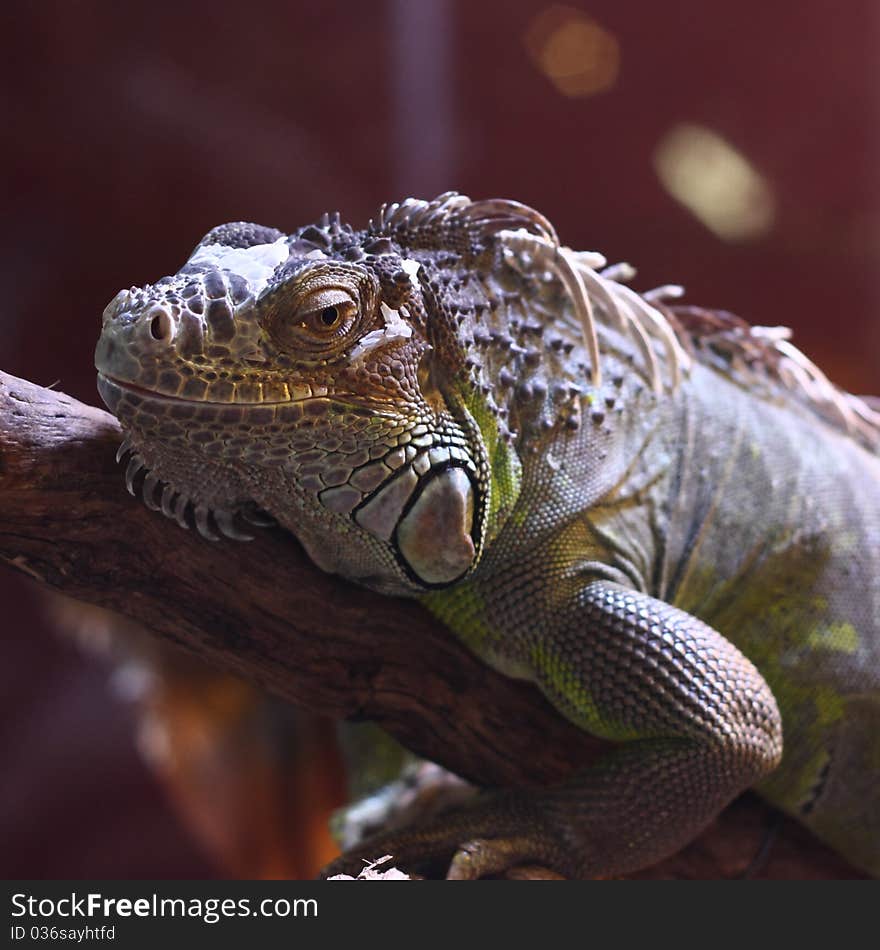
(263, 610)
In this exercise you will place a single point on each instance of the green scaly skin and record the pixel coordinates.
(687, 567)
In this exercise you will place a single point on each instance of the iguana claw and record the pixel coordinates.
(485, 857)
(496, 833)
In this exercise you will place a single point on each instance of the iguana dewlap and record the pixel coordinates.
(668, 520)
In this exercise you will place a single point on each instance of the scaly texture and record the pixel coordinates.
(667, 520)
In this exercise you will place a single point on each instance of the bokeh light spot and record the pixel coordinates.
(715, 182)
(578, 55)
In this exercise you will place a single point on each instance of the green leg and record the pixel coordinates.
(696, 725)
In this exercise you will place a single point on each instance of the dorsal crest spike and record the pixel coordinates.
(502, 214)
(579, 274)
(767, 352)
(412, 218)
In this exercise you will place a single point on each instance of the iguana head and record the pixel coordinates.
(323, 377)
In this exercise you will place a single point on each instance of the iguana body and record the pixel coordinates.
(670, 524)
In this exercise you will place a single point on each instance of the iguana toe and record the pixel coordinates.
(487, 838)
(485, 857)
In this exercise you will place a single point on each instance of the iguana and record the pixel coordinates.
(666, 519)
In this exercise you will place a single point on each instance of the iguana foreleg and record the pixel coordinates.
(696, 722)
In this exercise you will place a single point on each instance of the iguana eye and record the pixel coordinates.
(319, 322)
(327, 314)
(330, 317)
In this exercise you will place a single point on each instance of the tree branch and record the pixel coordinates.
(261, 609)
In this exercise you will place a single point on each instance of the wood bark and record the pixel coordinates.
(261, 609)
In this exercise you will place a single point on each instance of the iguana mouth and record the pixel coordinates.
(144, 393)
(139, 390)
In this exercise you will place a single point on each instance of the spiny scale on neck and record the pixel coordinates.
(505, 322)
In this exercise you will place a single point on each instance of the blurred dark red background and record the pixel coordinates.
(131, 129)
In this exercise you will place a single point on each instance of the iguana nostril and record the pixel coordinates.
(161, 327)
